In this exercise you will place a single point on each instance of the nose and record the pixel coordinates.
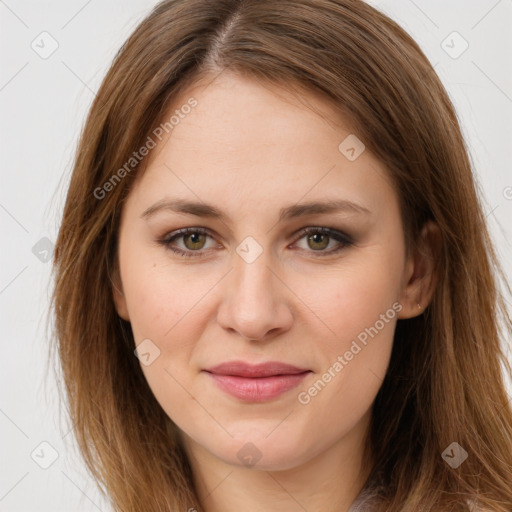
(256, 302)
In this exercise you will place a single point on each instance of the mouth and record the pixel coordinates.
(256, 383)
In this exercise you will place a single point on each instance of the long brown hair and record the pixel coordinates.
(444, 383)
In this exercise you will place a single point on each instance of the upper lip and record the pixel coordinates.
(243, 369)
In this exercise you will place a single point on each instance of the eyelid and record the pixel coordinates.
(169, 237)
(342, 238)
(332, 232)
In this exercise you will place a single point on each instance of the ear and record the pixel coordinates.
(118, 295)
(420, 277)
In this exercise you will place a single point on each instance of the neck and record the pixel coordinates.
(330, 480)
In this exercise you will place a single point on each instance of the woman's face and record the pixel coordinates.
(245, 165)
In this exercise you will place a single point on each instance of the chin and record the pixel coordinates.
(262, 454)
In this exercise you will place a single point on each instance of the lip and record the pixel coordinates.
(256, 383)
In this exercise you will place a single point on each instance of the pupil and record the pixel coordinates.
(319, 238)
(193, 239)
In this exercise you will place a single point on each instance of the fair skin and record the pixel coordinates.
(250, 150)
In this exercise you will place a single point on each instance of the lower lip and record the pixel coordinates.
(258, 389)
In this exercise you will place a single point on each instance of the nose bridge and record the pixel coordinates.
(253, 284)
(253, 278)
(253, 268)
(253, 303)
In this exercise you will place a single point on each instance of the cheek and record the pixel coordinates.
(158, 294)
(161, 310)
(169, 303)
(359, 305)
(355, 361)
(353, 297)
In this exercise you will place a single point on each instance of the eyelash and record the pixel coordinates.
(343, 239)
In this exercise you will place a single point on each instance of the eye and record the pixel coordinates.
(194, 240)
(319, 238)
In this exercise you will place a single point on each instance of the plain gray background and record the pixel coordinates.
(44, 100)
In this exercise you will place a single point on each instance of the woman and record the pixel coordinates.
(275, 289)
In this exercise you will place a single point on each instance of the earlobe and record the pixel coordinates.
(119, 298)
(421, 273)
(120, 304)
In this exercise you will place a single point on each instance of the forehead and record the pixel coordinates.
(237, 114)
(259, 143)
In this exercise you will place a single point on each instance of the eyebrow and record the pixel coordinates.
(290, 212)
